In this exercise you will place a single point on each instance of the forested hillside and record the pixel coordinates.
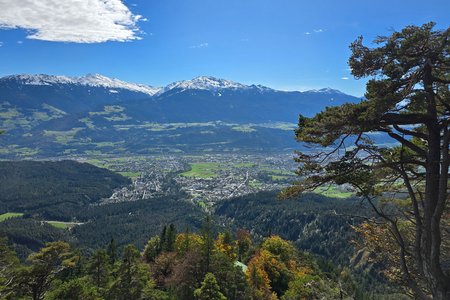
(315, 223)
(176, 265)
(54, 190)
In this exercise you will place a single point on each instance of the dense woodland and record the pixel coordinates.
(175, 265)
(54, 190)
(315, 224)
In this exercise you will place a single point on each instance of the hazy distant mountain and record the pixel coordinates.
(48, 115)
(209, 99)
(90, 80)
(74, 94)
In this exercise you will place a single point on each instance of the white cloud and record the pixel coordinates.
(78, 21)
(345, 78)
(202, 45)
(1, 44)
(320, 30)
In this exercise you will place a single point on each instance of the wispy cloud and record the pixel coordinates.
(77, 21)
(319, 30)
(345, 78)
(1, 44)
(202, 45)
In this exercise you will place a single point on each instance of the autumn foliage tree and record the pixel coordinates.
(408, 101)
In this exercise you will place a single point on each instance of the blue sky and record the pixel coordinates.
(284, 44)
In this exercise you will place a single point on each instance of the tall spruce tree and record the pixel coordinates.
(408, 100)
(209, 290)
(208, 243)
(112, 251)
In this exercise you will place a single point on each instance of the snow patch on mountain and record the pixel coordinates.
(208, 83)
(327, 90)
(92, 80)
(211, 84)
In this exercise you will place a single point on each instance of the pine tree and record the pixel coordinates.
(408, 101)
(9, 263)
(171, 238)
(152, 249)
(112, 251)
(132, 277)
(208, 243)
(35, 280)
(99, 268)
(209, 289)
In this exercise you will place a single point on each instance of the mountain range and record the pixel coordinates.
(46, 115)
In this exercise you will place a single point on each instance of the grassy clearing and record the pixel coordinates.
(55, 111)
(278, 172)
(9, 113)
(130, 174)
(88, 122)
(245, 165)
(108, 110)
(254, 184)
(118, 118)
(62, 225)
(107, 144)
(63, 137)
(202, 170)
(333, 192)
(278, 177)
(9, 215)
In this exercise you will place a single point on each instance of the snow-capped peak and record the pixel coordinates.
(327, 90)
(208, 83)
(204, 83)
(94, 80)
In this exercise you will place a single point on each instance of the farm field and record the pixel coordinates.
(202, 170)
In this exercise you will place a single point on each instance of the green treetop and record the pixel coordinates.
(209, 290)
(408, 100)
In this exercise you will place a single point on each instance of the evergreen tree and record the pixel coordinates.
(163, 239)
(407, 100)
(186, 244)
(35, 280)
(208, 243)
(112, 251)
(8, 267)
(152, 249)
(133, 278)
(99, 268)
(75, 289)
(171, 238)
(209, 290)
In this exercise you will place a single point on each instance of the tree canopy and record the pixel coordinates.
(408, 99)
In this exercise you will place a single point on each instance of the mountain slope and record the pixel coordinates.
(47, 115)
(250, 104)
